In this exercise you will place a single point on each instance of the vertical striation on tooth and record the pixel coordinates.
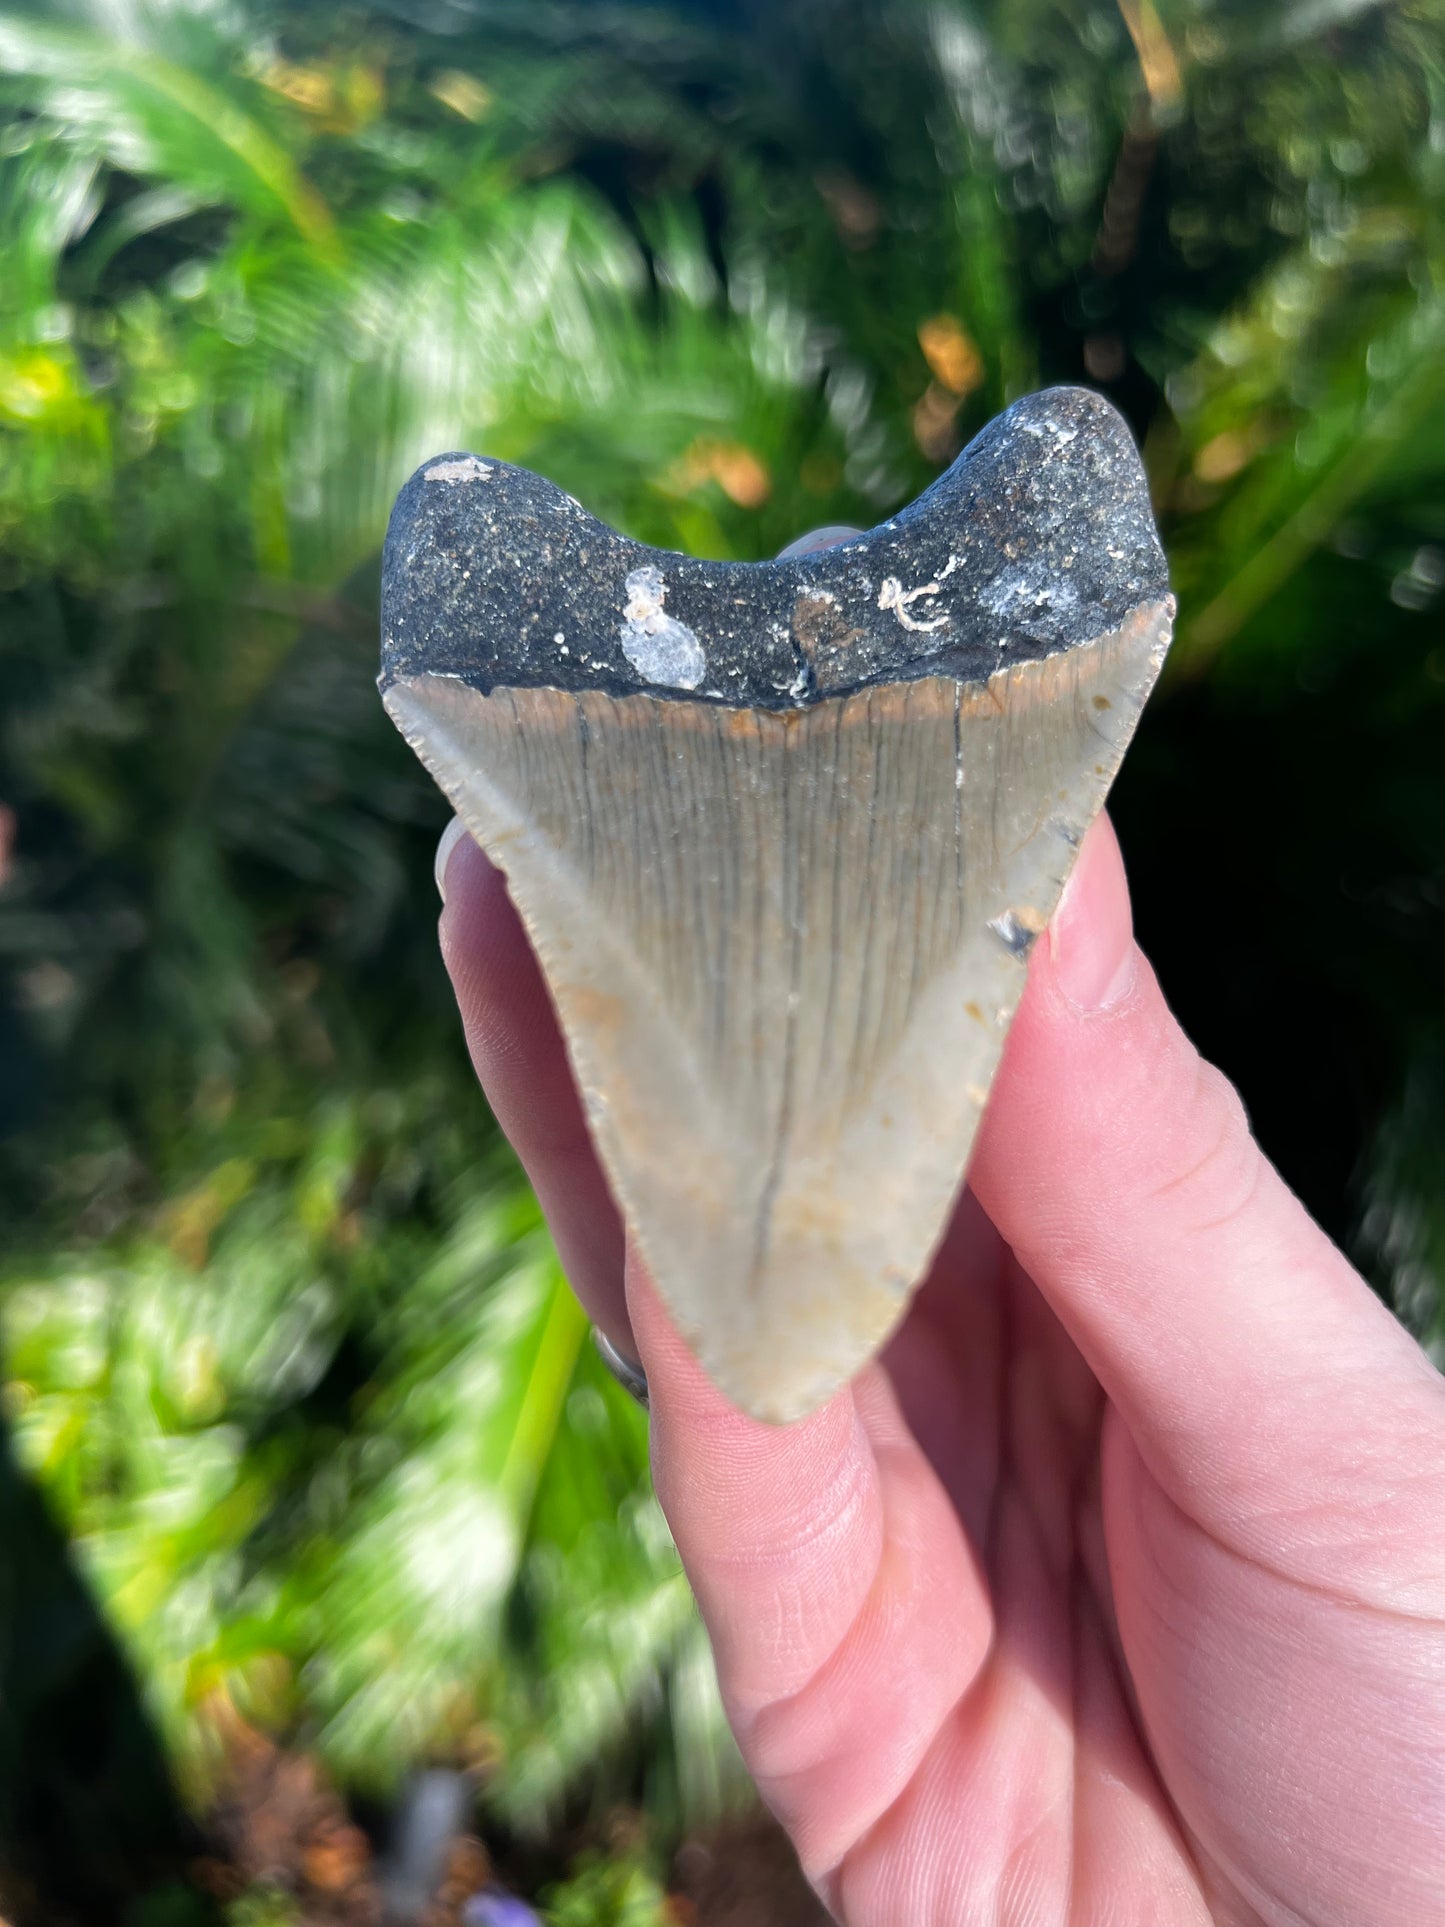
(784, 844)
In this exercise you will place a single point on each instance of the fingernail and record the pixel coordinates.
(1091, 939)
(817, 539)
(628, 1373)
(450, 838)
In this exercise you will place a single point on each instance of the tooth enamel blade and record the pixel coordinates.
(782, 835)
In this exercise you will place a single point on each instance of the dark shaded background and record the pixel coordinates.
(312, 1484)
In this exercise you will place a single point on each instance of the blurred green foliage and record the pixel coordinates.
(285, 1346)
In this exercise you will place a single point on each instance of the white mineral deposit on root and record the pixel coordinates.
(465, 468)
(894, 596)
(657, 645)
(1027, 588)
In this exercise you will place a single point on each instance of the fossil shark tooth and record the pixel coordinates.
(782, 835)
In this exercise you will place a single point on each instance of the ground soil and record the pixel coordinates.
(279, 1823)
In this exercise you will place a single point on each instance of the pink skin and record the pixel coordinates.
(1115, 1592)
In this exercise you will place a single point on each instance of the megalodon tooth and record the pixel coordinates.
(782, 835)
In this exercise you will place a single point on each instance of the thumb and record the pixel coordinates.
(1268, 1391)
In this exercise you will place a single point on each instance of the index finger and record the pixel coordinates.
(517, 1050)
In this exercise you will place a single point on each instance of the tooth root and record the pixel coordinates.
(783, 837)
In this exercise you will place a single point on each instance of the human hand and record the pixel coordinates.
(1115, 1591)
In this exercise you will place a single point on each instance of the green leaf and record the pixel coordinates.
(152, 116)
